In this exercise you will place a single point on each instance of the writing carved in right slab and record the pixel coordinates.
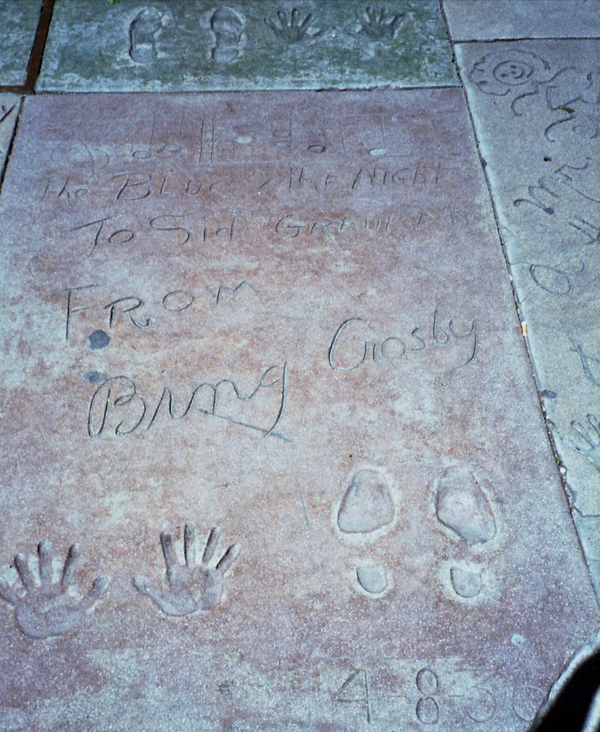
(589, 362)
(525, 78)
(559, 279)
(588, 442)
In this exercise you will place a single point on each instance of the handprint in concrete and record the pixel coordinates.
(191, 588)
(294, 31)
(376, 29)
(47, 606)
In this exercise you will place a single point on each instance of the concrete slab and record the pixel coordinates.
(191, 45)
(286, 315)
(10, 105)
(19, 21)
(490, 20)
(536, 110)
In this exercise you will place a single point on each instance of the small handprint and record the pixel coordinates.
(48, 608)
(292, 32)
(376, 30)
(191, 587)
(592, 438)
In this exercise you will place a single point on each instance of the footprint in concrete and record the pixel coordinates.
(462, 506)
(367, 508)
(143, 32)
(227, 28)
(466, 582)
(367, 504)
(372, 579)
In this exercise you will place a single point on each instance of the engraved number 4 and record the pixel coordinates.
(355, 690)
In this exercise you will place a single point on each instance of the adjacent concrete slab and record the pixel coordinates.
(490, 20)
(190, 45)
(10, 105)
(286, 315)
(536, 109)
(19, 21)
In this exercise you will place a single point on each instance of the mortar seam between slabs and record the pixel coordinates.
(286, 90)
(38, 48)
(525, 38)
(451, 44)
(532, 366)
(36, 55)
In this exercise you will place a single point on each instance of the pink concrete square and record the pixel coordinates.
(286, 315)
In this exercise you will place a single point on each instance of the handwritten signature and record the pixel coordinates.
(119, 400)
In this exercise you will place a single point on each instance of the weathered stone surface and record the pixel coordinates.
(191, 45)
(219, 311)
(490, 20)
(10, 104)
(536, 110)
(19, 21)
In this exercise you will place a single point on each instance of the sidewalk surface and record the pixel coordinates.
(300, 388)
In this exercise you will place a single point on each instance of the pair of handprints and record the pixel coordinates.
(47, 605)
(372, 27)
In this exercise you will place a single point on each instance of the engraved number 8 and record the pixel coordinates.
(428, 711)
